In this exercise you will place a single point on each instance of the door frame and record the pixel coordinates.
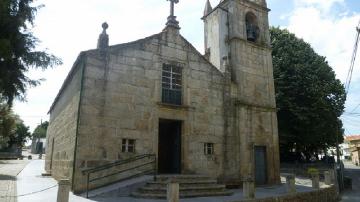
(181, 139)
(264, 147)
(52, 153)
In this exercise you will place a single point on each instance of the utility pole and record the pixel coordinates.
(353, 58)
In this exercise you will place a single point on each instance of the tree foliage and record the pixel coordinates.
(18, 51)
(12, 129)
(40, 130)
(7, 125)
(310, 100)
(21, 135)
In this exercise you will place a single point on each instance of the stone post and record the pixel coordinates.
(173, 191)
(290, 183)
(315, 180)
(327, 177)
(332, 176)
(249, 189)
(63, 190)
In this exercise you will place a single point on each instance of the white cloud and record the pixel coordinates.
(330, 27)
(324, 5)
(331, 34)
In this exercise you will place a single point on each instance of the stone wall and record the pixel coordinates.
(322, 195)
(61, 133)
(301, 169)
(216, 33)
(122, 99)
(253, 122)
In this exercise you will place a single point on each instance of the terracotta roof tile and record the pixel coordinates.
(352, 137)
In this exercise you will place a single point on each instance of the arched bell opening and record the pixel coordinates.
(252, 28)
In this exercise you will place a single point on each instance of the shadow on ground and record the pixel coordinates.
(9, 162)
(7, 177)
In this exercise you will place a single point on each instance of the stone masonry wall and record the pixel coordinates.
(61, 132)
(122, 99)
(216, 32)
(252, 93)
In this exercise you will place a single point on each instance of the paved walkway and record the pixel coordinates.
(9, 169)
(36, 188)
(353, 172)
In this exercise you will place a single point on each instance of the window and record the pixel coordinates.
(171, 84)
(252, 29)
(128, 145)
(208, 148)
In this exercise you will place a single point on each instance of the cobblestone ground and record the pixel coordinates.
(9, 169)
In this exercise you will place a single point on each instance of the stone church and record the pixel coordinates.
(211, 114)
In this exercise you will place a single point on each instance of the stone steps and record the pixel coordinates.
(209, 188)
(190, 186)
(185, 183)
(182, 195)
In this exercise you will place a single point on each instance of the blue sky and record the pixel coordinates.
(67, 27)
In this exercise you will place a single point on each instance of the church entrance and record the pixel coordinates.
(169, 151)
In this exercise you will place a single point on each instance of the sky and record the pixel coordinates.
(67, 27)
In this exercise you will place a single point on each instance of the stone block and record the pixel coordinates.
(248, 189)
(63, 190)
(327, 177)
(315, 181)
(332, 175)
(290, 183)
(173, 192)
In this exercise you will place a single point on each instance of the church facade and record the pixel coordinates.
(212, 114)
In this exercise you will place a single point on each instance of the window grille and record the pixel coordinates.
(171, 84)
(128, 145)
(208, 148)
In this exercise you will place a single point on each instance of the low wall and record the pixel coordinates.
(322, 195)
(302, 169)
(10, 154)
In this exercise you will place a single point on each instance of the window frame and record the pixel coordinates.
(126, 144)
(209, 148)
(171, 84)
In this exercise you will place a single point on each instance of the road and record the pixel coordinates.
(353, 172)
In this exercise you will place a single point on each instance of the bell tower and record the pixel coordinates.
(238, 31)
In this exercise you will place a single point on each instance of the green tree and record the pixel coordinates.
(21, 134)
(310, 100)
(40, 130)
(18, 53)
(7, 125)
(12, 129)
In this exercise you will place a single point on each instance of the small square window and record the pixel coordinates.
(208, 148)
(128, 145)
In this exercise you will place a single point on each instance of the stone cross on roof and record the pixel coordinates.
(103, 41)
(171, 20)
(172, 6)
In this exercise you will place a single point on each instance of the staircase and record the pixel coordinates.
(190, 186)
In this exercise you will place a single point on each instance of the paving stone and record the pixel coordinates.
(9, 169)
